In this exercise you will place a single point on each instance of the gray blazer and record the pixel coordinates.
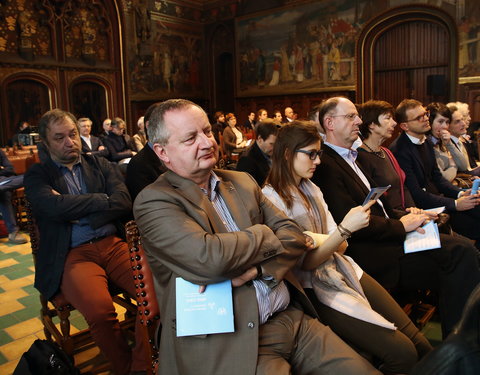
(184, 237)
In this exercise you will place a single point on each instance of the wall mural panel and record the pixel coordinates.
(310, 47)
(25, 29)
(167, 63)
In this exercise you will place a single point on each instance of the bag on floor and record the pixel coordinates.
(45, 358)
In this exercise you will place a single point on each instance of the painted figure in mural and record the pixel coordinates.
(299, 63)
(167, 70)
(275, 73)
(142, 21)
(333, 61)
(260, 67)
(285, 75)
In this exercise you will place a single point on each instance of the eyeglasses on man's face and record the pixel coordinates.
(423, 116)
(349, 116)
(312, 154)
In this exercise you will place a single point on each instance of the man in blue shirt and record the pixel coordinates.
(78, 202)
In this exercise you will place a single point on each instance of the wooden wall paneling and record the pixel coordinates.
(399, 49)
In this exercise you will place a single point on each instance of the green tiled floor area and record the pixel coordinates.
(20, 324)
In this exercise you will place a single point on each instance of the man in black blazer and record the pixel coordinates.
(78, 202)
(91, 145)
(428, 187)
(378, 248)
(145, 167)
(256, 160)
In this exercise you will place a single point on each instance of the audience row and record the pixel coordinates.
(308, 261)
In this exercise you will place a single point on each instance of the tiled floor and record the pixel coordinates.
(20, 324)
(19, 311)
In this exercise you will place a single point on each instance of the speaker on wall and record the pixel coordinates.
(436, 85)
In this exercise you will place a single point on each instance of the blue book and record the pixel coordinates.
(207, 313)
(375, 193)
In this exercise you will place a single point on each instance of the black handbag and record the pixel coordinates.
(45, 358)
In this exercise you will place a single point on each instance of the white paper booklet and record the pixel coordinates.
(419, 242)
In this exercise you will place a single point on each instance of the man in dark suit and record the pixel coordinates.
(78, 202)
(145, 167)
(256, 160)
(289, 115)
(250, 122)
(107, 127)
(120, 146)
(91, 145)
(428, 187)
(207, 226)
(378, 248)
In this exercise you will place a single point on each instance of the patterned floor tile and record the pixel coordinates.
(15, 349)
(16, 284)
(11, 295)
(10, 307)
(8, 262)
(28, 327)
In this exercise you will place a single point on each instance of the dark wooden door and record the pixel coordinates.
(88, 99)
(411, 60)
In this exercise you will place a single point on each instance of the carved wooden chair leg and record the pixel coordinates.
(67, 342)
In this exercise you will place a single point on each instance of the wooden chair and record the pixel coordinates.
(59, 307)
(146, 298)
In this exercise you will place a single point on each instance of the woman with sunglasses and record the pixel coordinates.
(353, 304)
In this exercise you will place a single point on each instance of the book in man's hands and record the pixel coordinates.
(206, 313)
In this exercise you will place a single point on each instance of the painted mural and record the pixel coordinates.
(164, 55)
(310, 47)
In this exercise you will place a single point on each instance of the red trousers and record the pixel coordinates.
(88, 268)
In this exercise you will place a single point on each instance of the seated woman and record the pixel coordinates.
(353, 304)
(377, 161)
(440, 118)
(233, 138)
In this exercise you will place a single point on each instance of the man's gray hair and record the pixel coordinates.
(157, 128)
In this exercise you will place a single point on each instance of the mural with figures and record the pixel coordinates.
(311, 46)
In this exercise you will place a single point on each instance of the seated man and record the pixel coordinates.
(458, 129)
(378, 248)
(209, 226)
(256, 160)
(78, 202)
(91, 145)
(145, 167)
(9, 182)
(107, 128)
(119, 144)
(428, 187)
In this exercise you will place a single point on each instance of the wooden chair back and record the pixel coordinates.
(145, 293)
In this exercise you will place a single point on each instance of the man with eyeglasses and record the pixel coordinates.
(206, 226)
(428, 187)
(378, 248)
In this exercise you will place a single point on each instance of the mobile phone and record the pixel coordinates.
(475, 186)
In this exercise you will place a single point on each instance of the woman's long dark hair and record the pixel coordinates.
(291, 137)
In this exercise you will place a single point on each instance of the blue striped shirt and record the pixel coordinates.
(82, 232)
(270, 300)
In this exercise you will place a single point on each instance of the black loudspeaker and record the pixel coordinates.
(436, 85)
